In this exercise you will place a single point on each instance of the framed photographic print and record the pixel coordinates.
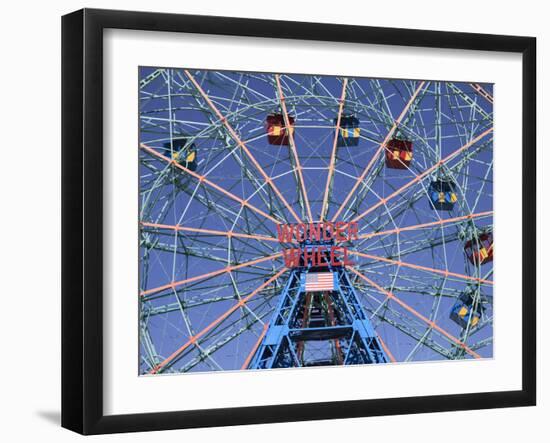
(273, 221)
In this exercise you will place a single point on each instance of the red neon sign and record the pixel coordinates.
(311, 237)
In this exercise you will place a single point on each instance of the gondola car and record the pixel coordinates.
(277, 133)
(348, 134)
(184, 155)
(442, 195)
(479, 250)
(463, 311)
(399, 153)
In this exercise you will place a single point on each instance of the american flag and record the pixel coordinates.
(319, 281)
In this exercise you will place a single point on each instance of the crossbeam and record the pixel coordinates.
(419, 177)
(417, 314)
(193, 339)
(381, 148)
(241, 144)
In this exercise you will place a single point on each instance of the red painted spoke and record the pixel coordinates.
(209, 231)
(421, 268)
(417, 314)
(482, 92)
(241, 144)
(324, 208)
(255, 347)
(204, 180)
(426, 225)
(298, 166)
(175, 284)
(396, 123)
(424, 174)
(193, 339)
(386, 349)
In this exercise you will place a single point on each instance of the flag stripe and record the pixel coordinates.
(319, 281)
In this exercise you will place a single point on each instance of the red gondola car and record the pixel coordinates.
(480, 250)
(399, 153)
(277, 133)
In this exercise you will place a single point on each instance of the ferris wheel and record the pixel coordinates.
(227, 158)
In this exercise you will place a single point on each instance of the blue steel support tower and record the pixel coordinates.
(318, 328)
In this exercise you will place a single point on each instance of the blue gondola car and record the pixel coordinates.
(463, 312)
(349, 132)
(442, 195)
(184, 155)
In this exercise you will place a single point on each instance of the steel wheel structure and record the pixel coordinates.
(213, 190)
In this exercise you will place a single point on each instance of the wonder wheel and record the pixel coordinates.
(227, 157)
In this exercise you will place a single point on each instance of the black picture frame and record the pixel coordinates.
(82, 218)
